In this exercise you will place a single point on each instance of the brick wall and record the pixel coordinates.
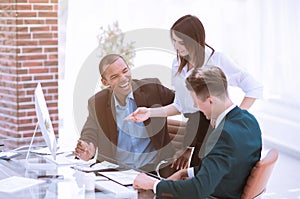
(28, 55)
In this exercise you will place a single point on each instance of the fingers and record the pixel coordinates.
(81, 146)
(81, 149)
(130, 117)
(137, 116)
(180, 163)
(137, 180)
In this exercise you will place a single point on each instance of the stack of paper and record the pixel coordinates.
(122, 177)
(16, 183)
(101, 166)
(66, 159)
(118, 190)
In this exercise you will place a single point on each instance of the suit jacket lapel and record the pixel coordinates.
(111, 120)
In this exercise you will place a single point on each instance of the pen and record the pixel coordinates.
(93, 164)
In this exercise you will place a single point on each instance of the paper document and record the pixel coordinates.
(123, 177)
(101, 166)
(46, 151)
(7, 155)
(66, 159)
(118, 190)
(16, 183)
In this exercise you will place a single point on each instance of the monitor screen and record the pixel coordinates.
(44, 121)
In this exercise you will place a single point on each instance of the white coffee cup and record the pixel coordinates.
(88, 180)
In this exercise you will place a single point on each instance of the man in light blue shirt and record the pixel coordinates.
(136, 145)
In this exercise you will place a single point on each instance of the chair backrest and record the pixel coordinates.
(176, 131)
(259, 176)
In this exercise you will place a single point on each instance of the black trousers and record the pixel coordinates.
(197, 128)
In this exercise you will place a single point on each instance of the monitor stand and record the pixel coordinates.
(36, 126)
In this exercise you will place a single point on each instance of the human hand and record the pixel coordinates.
(139, 115)
(179, 175)
(143, 181)
(84, 150)
(181, 159)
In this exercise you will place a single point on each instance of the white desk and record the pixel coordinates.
(67, 188)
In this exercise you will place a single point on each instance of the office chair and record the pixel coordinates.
(176, 131)
(259, 176)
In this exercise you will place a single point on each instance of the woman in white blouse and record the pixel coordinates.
(188, 37)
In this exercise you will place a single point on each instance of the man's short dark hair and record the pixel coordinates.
(207, 81)
(107, 60)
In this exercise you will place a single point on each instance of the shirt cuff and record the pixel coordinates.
(190, 172)
(155, 185)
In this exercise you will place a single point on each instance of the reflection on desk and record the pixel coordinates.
(64, 188)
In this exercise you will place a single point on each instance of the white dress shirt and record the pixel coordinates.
(236, 76)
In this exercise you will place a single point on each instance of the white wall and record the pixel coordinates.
(261, 36)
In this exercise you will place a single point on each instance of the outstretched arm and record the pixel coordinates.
(142, 113)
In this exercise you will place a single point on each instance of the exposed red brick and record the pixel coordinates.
(32, 57)
(53, 57)
(48, 42)
(43, 77)
(28, 54)
(20, 1)
(50, 63)
(26, 14)
(23, 36)
(40, 29)
(43, 7)
(24, 78)
(51, 21)
(32, 63)
(32, 50)
(38, 1)
(47, 14)
(54, 49)
(42, 35)
(54, 70)
(26, 43)
(54, 28)
(26, 106)
(23, 6)
(38, 70)
(32, 21)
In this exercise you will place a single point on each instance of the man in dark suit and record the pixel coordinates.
(230, 150)
(131, 144)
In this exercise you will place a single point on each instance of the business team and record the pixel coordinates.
(227, 151)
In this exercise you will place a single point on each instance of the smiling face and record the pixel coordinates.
(179, 45)
(118, 76)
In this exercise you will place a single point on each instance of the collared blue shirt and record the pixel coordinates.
(134, 146)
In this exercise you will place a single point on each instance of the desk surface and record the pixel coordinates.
(64, 189)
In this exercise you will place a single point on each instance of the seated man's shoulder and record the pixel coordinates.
(145, 81)
(101, 95)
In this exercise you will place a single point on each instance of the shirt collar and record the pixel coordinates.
(223, 114)
(129, 96)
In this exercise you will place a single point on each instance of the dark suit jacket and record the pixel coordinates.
(101, 128)
(231, 150)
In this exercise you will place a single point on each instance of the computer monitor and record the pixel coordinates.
(44, 121)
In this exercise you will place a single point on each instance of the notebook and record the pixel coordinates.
(16, 183)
